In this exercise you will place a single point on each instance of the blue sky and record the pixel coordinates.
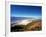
(23, 10)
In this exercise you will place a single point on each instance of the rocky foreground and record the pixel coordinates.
(33, 26)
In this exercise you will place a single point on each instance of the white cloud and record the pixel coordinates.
(22, 22)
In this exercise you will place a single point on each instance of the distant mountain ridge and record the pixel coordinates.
(21, 18)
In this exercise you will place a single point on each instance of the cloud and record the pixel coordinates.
(22, 22)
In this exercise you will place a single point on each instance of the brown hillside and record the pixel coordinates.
(35, 25)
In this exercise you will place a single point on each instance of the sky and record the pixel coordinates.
(25, 10)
